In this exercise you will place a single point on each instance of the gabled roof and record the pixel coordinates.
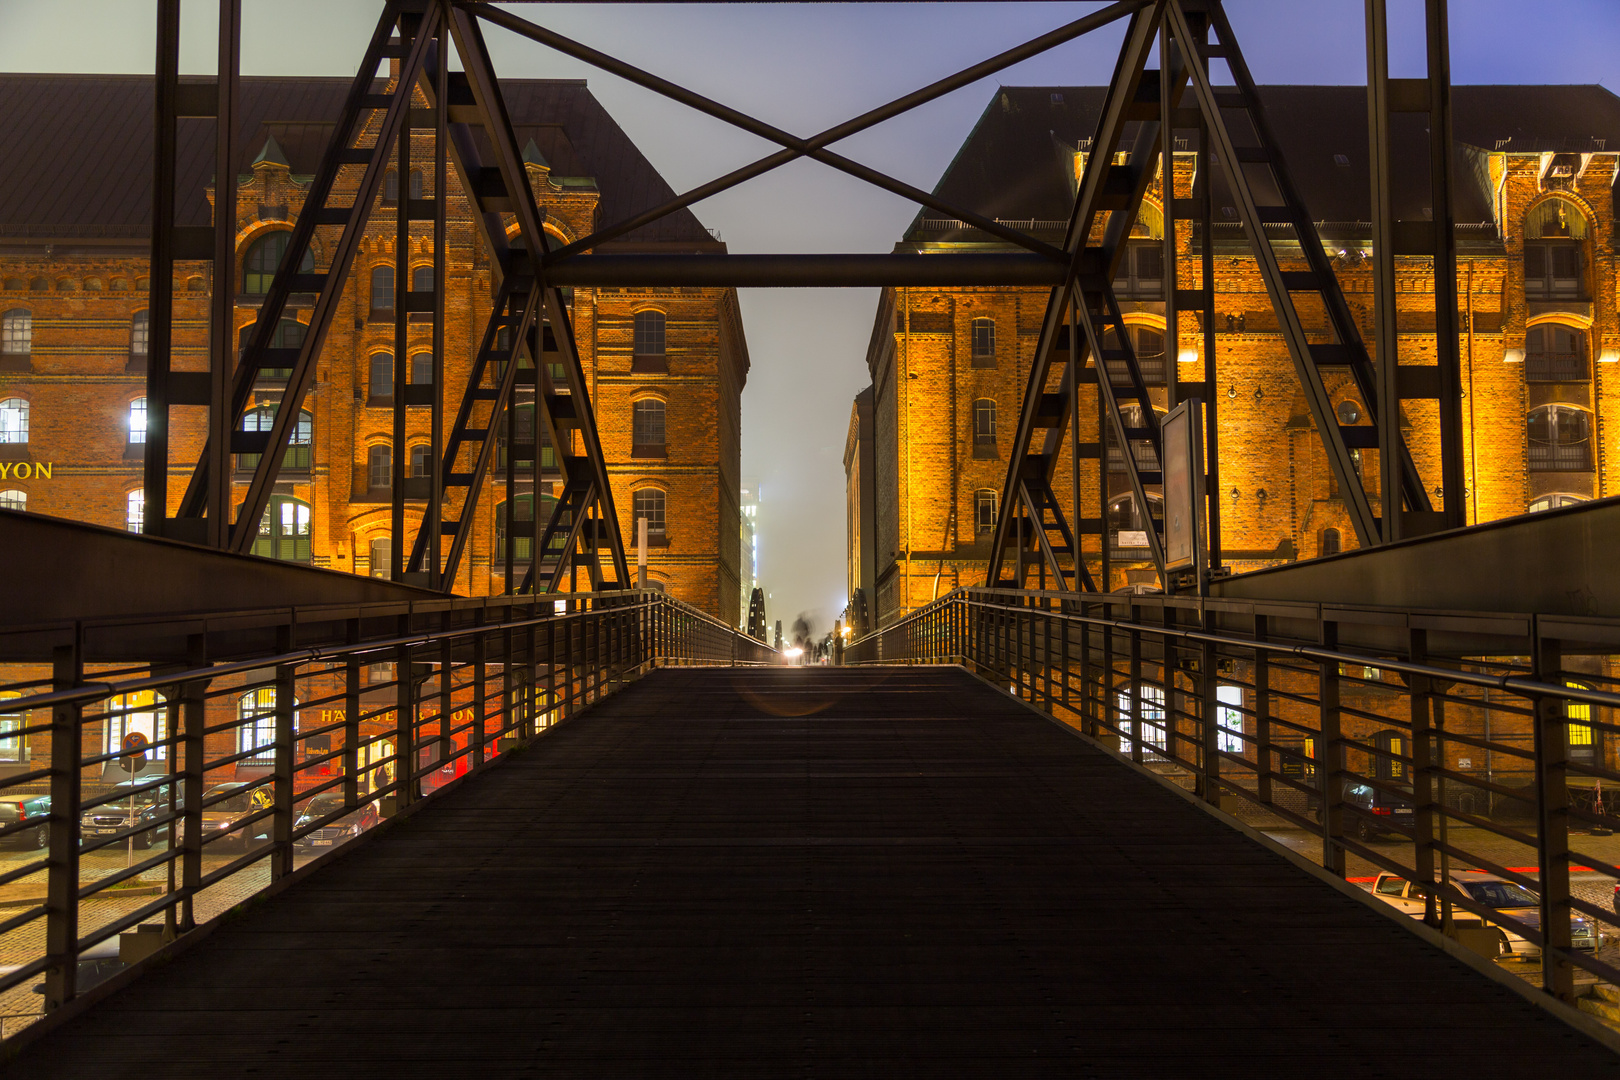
(1007, 167)
(78, 149)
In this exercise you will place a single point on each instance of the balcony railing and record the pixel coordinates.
(1554, 457)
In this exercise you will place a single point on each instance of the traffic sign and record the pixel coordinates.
(134, 757)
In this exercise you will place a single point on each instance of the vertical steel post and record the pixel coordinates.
(441, 243)
(222, 301)
(351, 722)
(404, 722)
(1262, 713)
(402, 360)
(1386, 329)
(1552, 820)
(1330, 756)
(62, 871)
(286, 754)
(193, 722)
(1209, 711)
(160, 298)
(1424, 758)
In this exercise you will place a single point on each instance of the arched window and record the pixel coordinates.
(649, 345)
(12, 499)
(264, 258)
(1554, 234)
(14, 420)
(1554, 353)
(422, 279)
(984, 511)
(137, 421)
(1128, 524)
(421, 460)
(984, 423)
(422, 369)
(39, 284)
(1131, 414)
(391, 186)
(416, 184)
(649, 503)
(380, 380)
(647, 429)
(284, 530)
(1556, 500)
(1332, 542)
(382, 557)
(17, 332)
(300, 441)
(380, 468)
(140, 335)
(135, 510)
(1560, 439)
(288, 334)
(256, 726)
(1148, 344)
(984, 343)
(382, 289)
(140, 712)
(522, 530)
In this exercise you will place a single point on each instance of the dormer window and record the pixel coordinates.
(1554, 264)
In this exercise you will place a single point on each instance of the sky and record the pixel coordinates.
(804, 68)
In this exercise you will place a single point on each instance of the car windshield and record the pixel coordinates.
(141, 800)
(321, 805)
(1500, 894)
(236, 804)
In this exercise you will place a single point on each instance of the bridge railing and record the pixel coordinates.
(156, 772)
(1414, 744)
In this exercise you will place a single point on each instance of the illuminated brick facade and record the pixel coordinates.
(73, 288)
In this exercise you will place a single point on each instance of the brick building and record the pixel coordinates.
(1537, 279)
(1536, 273)
(665, 367)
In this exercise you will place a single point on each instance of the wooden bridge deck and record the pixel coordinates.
(811, 873)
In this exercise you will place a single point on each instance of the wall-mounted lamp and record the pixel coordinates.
(1231, 391)
(1261, 494)
(1259, 392)
(1609, 356)
(1190, 356)
(1235, 494)
(1513, 356)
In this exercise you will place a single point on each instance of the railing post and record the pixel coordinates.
(62, 871)
(1209, 715)
(351, 725)
(1262, 713)
(1088, 713)
(1330, 756)
(1135, 636)
(1552, 817)
(1423, 772)
(1106, 708)
(286, 753)
(404, 722)
(193, 721)
(480, 702)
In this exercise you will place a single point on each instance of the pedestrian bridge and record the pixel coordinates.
(876, 871)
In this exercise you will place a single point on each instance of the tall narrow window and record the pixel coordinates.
(421, 460)
(1331, 542)
(416, 183)
(140, 335)
(135, 510)
(984, 511)
(1560, 439)
(1152, 712)
(264, 258)
(14, 421)
(649, 504)
(300, 441)
(1582, 743)
(647, 436)
(12, 499)
(139, 712)
(520, 528)
(17, 332)
(382, 557)
(1229, 719)
(1554, 353)
(1555, 232)
(517, 429)
(380, 384)
(391, 186)
(984, 423)
(984, 343)
(380, 468)
(256, 730)
(422, 279)
(137, 421)
(382, 289)
(422, 369)
(649, 342)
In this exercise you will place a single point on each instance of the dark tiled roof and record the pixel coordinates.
(1015, 165)
(78, 148)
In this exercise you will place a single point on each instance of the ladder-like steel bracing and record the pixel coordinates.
(1263, 158)
(1031, 515)
(534, 318)
(323, 207)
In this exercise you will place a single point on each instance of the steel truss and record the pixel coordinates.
(527, 347)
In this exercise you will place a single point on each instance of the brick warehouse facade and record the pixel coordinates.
(1537, 274)
(665, 367)
(1536, 207)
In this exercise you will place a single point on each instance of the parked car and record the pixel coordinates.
(22, 807)
(1382, 814)
(1509, 898)
(130, 808)
(97, 964)
(335, 832)
(240, 800)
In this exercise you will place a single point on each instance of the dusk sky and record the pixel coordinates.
(805, 68)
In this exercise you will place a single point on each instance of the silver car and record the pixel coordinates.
(1498, 894)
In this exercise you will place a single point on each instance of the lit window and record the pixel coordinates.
(1582, 747)
(984, 422)
(17, 332)
(1152, 703)
(984, 511)
(142, 712)
(649, 504)
(1229, 719)
(522, 528)
(1554, 353)
(1556, 500)
(984, 343)
(1554, 234)
(284, 530)
(256, 730)
(137, 420)
(649, 335)
(1148, 345)
(140, 333)
(382, 557)
(382, 288)
(12, 499)
(381, 386)
(647, 435)
(300, 450)
(380, 468)
(135, 510)
(13, 748)
(13, 420)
